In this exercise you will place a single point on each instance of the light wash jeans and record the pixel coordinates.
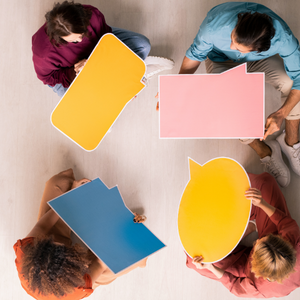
(138, 43)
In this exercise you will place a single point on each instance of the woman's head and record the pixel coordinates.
(67, 22)
(253, 31)
(54, 269)
(273, 258)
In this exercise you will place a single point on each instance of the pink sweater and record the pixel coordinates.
(56, 64)
(238, 278)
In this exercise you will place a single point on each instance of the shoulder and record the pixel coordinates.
(96, 13)
(262, 180)
(41, 45)
(223, 16)
(22, 243)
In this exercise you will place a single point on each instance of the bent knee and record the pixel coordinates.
(283, 84)
(145, 48)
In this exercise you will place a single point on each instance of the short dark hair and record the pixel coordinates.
(54, 269)
(254, 30)
(66, 18)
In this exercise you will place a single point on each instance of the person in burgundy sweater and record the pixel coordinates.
(63, 44)
(272, 267)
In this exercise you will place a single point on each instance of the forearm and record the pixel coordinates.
(216, 271)
(267, 208)
(45, 224)
(292, 99)
(189, 66)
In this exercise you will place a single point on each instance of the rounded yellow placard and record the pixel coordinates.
(214, 212)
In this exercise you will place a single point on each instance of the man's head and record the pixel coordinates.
(54, 269)
(273, 258)
(253, 32)
(67, 22)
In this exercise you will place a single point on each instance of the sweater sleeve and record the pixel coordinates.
(240, 286)
(286, 226)
(51, 74)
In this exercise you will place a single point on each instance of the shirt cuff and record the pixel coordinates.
(190, 54)
(225, 278)
(277, 216)
(296, 85)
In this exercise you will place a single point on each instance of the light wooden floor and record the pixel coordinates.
(150, 173)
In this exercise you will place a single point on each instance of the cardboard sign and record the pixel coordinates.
(227, 105)
(214, 212)
(109, 80)
(99, 217)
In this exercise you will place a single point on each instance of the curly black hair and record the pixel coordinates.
(54, 269)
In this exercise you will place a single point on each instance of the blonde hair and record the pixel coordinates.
(273, 258)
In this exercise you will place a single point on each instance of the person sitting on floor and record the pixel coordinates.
(49, 266)
(272, 267)
(63, 44)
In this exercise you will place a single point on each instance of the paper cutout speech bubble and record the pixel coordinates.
(100, 218)
(213, 212)
(226, 105)
(110, 79)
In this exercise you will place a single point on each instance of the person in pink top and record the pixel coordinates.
(271, 268)
(63, 44)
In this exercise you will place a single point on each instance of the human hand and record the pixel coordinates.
(254, 195)
(79, 66)
(197, 261)
(139, 218)
(77, 183)
(273, 123)
(157, 104)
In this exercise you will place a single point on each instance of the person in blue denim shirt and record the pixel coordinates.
(237, 32)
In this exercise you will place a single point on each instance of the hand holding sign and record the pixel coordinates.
(214, 212)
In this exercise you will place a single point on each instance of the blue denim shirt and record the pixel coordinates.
(214, 38)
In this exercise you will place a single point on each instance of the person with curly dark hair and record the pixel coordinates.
(49, 266)
(63, 44)
(271, 268)
(245, 32)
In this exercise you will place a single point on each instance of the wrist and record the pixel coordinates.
(217, 272)
(283, 112)
(262, 203)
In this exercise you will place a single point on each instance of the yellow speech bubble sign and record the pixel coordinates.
(111, 77)
(214, 212)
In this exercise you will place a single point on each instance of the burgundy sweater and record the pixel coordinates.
(56, 64)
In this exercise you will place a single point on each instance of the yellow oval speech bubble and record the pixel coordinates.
(214, 212)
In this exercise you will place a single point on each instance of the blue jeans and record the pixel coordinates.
(138, 43)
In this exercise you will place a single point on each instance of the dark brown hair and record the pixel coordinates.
(273, 258)
(54, 269)
(66, 18)
(254, 30)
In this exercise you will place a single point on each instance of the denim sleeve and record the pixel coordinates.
(202, 44)
(290, 53)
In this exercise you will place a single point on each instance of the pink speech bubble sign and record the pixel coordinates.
(227, 105)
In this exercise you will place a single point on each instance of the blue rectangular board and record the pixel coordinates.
(99, 217)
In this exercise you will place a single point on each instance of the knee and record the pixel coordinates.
(284, 85)
(145, 48)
